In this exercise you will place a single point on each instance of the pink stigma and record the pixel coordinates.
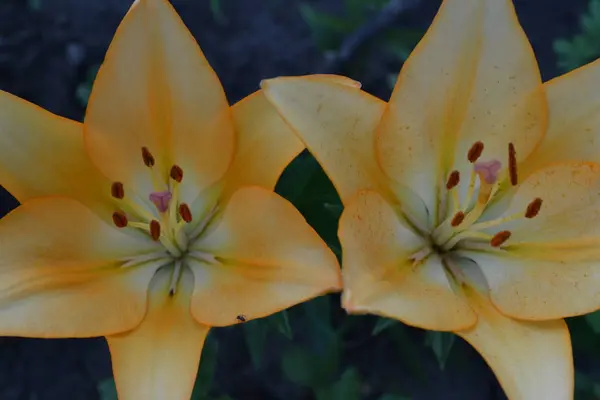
(161, 200)
(488, 170)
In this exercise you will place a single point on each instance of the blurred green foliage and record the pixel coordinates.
(584, 46)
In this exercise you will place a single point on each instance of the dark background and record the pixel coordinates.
(48, 53)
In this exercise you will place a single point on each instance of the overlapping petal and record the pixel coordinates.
(42, 154)
(381, 278)
(159, 359)
(60, 273)
(473, 77)
(550, 267)
(337, 122)
(266, 259)
(532, 360)
(156, 89)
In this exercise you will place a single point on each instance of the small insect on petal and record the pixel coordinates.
(457, 219)
(117, 191)
(176, 173)
(185, 212)
(154, 230)
(475, 152)
(499, 238)
(453, 180)
(147, 157)
(119, 219)
(533, 208)
(241, 318)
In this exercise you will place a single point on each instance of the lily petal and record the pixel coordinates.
(28, 169)
(549, 268)
(156, 89)
(266, 258)
(61, 275)
(473, 77)
(265, 145)
(337, 122)
(532, 360)
(379, 275)
(574, 121)
(159, 359)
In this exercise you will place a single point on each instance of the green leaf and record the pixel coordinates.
(390, 396)
(217, 12)
(306, 367)
(382, 324)
(296, 177)
(107, 389)
(281, 322)
(593, 321)
(206, 372)
(348, 387)
(327, 30)
(441, 343)
(255, 333)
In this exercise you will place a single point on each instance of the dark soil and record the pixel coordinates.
(45, 54)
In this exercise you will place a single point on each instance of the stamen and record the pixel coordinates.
(147, 157)
(475, 152)
(155, 230)
(488, 170)
(533, 208)
(185, 212)
(512, 165)
(499, 238)
(453, 180)
(119, 219)
(117, 191)
(161, 200)
(176, 173)
(457, 219)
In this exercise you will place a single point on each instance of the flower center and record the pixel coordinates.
(162, 216)
(461, 227)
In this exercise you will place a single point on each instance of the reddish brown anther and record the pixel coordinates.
(499, 238)
(453, 179)
(119, 219)
(147, 157)
(176, 173)
(475, 152)
(185, 212)
(117, 191)
(458, 218)
(512, 165)
(154, 230)
(533, 208)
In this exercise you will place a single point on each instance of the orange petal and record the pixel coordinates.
(159, 359)
(61, 275)
(574, 123)
(549, 267)
(156, 89)
(267, 258)
(265, 145)
(532, 360)
(337, 122)
(473, 77)
(42, 154)
(379, 276)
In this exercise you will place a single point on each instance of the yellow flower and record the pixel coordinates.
(162, 156)
(472, 198)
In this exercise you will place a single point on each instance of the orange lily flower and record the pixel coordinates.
(155, 219)
(472, 198)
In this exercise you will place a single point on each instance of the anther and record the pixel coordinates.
(512, 164)
(154, 230)
(533, 208)
(185, 212)
(457, 219)
(176, 173)
(499, 238)
(453, 179)
(117, 191)
(475, 152)
(119, 219)
(147, 157)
